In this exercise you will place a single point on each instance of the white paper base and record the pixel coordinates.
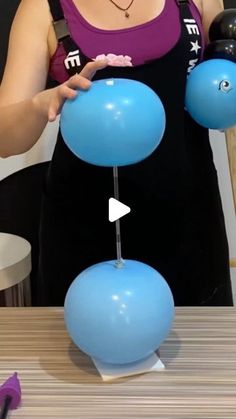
(110, 372)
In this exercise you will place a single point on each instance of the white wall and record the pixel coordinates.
(218, 144)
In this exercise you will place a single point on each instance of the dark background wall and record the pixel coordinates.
(230, 3)
(7, 12)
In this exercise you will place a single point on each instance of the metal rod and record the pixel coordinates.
(120, 261)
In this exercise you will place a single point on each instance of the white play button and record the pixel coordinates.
(117, 209)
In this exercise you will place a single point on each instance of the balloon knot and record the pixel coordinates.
(120, 263)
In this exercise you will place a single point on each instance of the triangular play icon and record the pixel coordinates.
(117, 209)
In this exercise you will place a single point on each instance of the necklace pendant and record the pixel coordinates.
(126, 14)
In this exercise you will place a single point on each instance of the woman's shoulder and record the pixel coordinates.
(39, 6)
(34, 12)
(37, 16)
(210, 8)
(28, 52)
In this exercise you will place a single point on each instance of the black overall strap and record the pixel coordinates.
(74, 61)
(193, 32)
(180, 2)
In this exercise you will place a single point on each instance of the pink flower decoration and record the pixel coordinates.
(116, 60)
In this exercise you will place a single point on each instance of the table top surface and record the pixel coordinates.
(59, 381)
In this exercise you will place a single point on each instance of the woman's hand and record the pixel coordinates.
(51, 101)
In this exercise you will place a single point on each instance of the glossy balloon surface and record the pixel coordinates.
(211, 94)
(119, 315)
(222, 49)
(223, 26)
(116, 122)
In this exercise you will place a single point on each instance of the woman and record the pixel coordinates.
(176, 224)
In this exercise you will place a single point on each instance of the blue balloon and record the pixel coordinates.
(116, 122)
(211, 94)
(119, 315)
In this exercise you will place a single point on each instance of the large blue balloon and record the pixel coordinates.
(211, 94)
(116, 122)
(119, 315)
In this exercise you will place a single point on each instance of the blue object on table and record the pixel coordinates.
(119, 315)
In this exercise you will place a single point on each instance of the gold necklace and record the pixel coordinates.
(123, 9)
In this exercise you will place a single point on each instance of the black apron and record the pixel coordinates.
(176, 223)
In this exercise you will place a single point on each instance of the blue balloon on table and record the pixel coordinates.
(211, 94)
(119, 315)
(116, 122)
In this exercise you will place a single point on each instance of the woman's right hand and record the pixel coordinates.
(51, 101)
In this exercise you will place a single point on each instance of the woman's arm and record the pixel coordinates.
(210, 8)
(25, 107)
(21, 122)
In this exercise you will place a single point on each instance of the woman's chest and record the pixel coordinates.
(121, 14)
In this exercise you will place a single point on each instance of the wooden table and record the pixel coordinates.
(58, 381)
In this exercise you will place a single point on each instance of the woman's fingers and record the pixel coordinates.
(78, 82)
(82, 80)
(61, 93)
(90, 69)
(68, 90)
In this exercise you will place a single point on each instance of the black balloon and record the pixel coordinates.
(223, 26)
(222, 49)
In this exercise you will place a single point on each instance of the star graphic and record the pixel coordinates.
(195, 47)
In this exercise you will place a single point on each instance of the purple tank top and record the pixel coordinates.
(142, 43)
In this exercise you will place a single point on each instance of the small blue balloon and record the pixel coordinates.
(116, 122)
(119, 315)
(211, 94)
